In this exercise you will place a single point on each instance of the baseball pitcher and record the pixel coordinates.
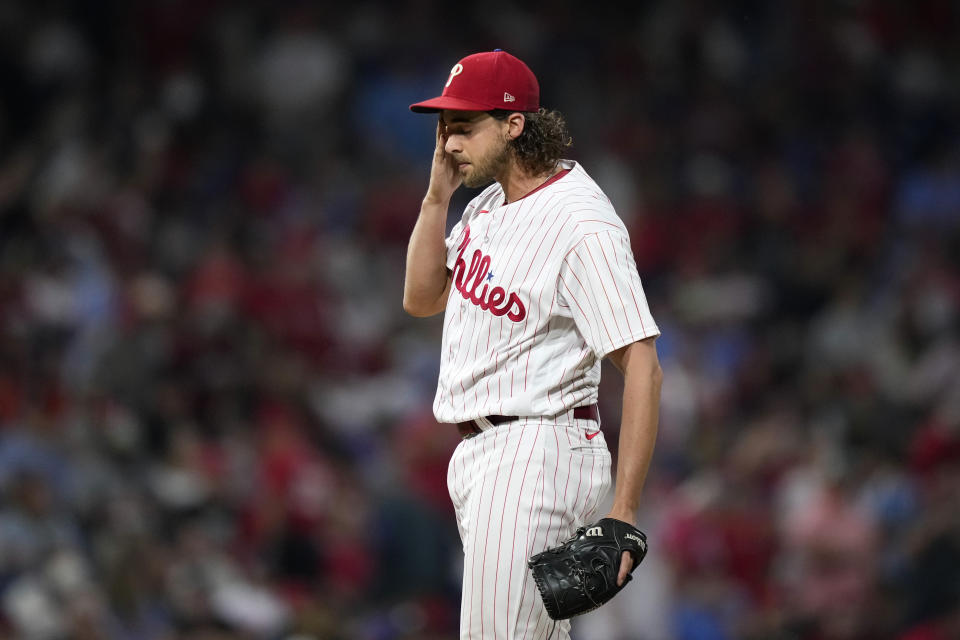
(538, 284)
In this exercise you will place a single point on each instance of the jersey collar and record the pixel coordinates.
(564, 171)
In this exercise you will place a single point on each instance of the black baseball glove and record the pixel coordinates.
(581, 574)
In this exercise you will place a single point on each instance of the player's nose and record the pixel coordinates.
(452, 145)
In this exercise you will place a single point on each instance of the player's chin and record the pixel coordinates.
(473, 180)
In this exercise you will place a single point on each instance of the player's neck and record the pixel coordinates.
(518, 183)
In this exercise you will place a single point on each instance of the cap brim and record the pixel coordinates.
(449, 102)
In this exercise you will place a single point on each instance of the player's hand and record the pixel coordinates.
(444, 173)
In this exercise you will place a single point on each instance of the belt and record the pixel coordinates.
(470, 428)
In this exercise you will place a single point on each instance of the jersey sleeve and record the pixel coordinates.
(600, 286)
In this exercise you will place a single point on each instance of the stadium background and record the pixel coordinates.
(215, 416)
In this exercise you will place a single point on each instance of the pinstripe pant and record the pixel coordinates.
(519, 488)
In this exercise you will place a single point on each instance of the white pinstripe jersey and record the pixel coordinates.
(543, 288)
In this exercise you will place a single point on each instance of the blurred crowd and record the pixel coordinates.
(215, 417)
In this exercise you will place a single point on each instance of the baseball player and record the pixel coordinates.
(538, 284)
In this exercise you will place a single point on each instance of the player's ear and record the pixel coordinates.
(515, 123)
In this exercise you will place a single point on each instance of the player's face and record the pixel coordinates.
(479, 145)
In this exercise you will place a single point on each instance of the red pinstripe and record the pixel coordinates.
(586, 499)
(631, 262)
(595, 221)
(575, 300)
(474, 548)
(496, 573)
(583, 222)
(532, 228)
(571, 400)
(590, 318)
(605, 471)
(587, 292)
(499, 378)
(503, 229)
(603, 287)
(516, 516)
(563, 376)
(613, 279)
(455, 486)
(487, 351)
(473, 375)
(566, 485)
(546, 259)
(473, 463)
(528, 547)
(463, 395)
(576, 500)
(553, 509)
(486, 540)
(577, 245)
(533, 259)
(540, 298)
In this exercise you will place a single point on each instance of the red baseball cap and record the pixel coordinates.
(486, 81)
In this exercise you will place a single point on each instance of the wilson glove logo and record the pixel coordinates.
(594, 532)
(640, 541)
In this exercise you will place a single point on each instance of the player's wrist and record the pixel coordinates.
(433, 199)
(623, 515)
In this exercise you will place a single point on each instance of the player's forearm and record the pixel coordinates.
(425, 283)
(638, 428)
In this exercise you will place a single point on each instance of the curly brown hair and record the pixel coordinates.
(541, 144)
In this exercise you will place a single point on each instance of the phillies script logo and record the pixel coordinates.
(468, 282)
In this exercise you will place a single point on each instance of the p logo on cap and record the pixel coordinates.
(457, 70)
